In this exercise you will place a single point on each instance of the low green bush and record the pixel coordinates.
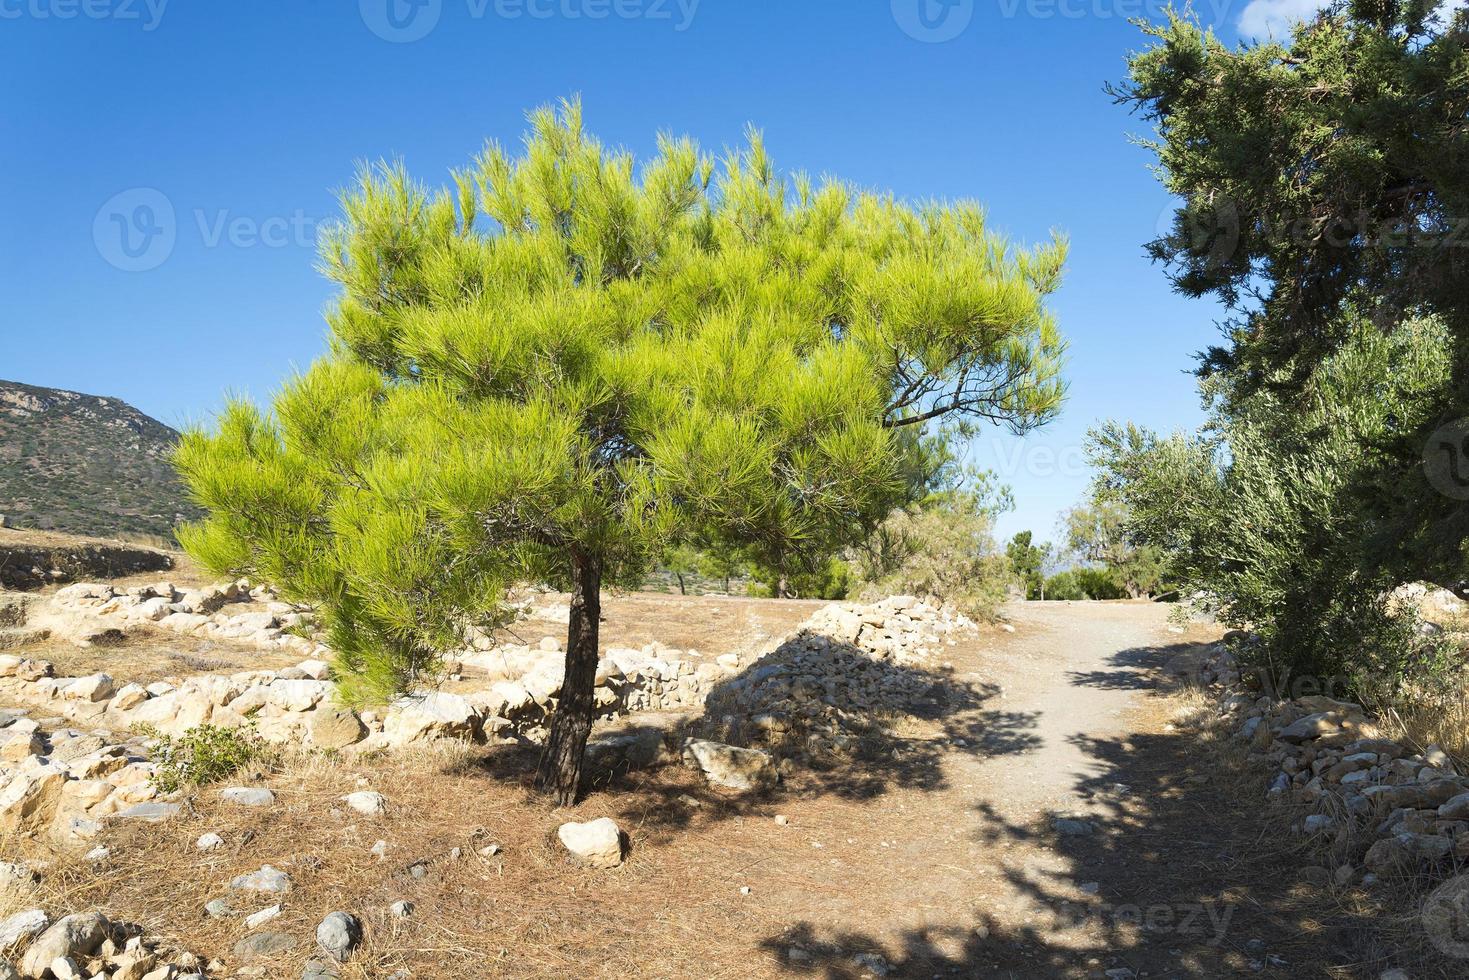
(203, 755)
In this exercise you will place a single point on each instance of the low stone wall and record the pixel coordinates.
(27, 565)
(845, 659)
(1400, 811)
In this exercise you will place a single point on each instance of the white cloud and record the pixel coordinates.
(1265, 19)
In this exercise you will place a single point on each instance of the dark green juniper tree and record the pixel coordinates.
(563, 364)
(1325, 181)
(1324, 186)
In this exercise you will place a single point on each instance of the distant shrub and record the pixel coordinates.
(203, 755)
(944, 551)
(833, 579)
(1064, 587)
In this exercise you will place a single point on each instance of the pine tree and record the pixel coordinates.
(561, 365)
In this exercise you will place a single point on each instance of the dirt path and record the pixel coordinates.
(1163, 873)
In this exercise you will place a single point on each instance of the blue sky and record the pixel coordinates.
(226, 127)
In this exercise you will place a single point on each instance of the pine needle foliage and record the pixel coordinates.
(563, 362)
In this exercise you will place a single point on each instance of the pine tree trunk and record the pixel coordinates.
(561, 762)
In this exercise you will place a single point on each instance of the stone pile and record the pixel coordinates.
(900, 629)
(69, 782)
(1398, 811)
(846, 668)
(233, 611)
(86, 946)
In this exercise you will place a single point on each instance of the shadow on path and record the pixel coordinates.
(1183, 873)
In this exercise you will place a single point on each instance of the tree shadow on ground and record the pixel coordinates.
(860, 729)
(1183, 872)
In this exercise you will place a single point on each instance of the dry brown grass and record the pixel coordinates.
(673, 910)
(149, 654)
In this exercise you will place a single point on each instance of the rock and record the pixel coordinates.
(209, 842)
(92, 688)
(65, 968)
(247, 796)
(29, 799)
(332, 727)
(1318, 823)
(1420, 796)
(1072, 827)
(219, 908)
(401, 909)
(17, 881)
(1456, 808)
(18, 745)
(258, 919)
(137, 965)
(300, 695)
(339, 934)
(264, 945)
(597, 843)
(1310, 727)
(22, 927)
(319, 969)
(267, 879)
(367, 802)
(77, 936)
(729, 766)
(149, 812)
(423, 718)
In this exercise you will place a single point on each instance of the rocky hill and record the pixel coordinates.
(85, 465)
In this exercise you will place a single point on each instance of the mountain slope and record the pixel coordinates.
(86, 465)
